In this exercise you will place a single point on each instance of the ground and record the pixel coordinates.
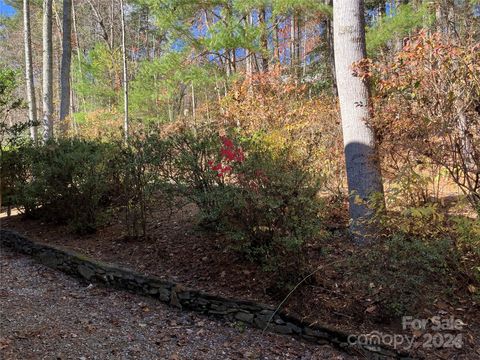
(178, 250)
(45, 314)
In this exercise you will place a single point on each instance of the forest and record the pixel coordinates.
(321, 157)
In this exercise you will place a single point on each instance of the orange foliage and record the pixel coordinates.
(280, 112)
(427, 108)
(100, 124)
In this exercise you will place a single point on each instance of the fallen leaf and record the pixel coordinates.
(4, 343)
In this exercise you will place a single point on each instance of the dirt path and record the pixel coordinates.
(44, 314)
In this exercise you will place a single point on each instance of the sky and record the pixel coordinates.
(6, 10)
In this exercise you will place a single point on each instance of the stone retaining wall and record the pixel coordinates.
(255, 314)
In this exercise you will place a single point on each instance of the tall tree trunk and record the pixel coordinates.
(248, 65)
(363, 171)
(304, 52)
(147, 33)
(228, 66)
(293, 59)
(248, 58)
(298, 37)
(47, 80)
(112, 22)
(125, 73)
(233, 54)
(78, 51)
(66, 63)
(57, 50)
(445, 17)
(262, 17)
(295, 31)
(276, 43)
(32, 103)
(331, 53)
(194, 111)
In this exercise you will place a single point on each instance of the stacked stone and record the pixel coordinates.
(249, 312)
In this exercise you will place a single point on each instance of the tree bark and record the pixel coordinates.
(298, 40)
(66, 63)
(125, 73)
(248, 58)
(331, 53)
(304, 51)
(445, 17)
(276, 43)
(47, 79)
(78, 51)
(194, 111)
(363, 171)
(112, 22)
(31, 100)
(262, 17)
(398, 43)
(295, 34)
(102, 25)
(293, 43)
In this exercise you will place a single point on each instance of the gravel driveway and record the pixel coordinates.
(45, 314)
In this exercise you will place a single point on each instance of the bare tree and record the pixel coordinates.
(125, 72)
(363, 171)
(32, 103)
(47, 80)
(101, 23)
(66, 62)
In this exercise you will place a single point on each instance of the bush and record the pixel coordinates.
(419, 254)
(73, 181)
(67, 181)
(274, 203)
(427, 109)
(265, 198)
(402, 273)
(190, 172)
(286, 114)
(13, 169)
(141, 170)
(467, 235)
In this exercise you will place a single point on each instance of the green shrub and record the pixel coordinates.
(418, 255)
(274, 204)
(13, 169)
(264, 198)
(467, 235)
(15, 172)
(67, 181)
(141, 170)
(402, 273)
(73, 181)
(190, 172)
